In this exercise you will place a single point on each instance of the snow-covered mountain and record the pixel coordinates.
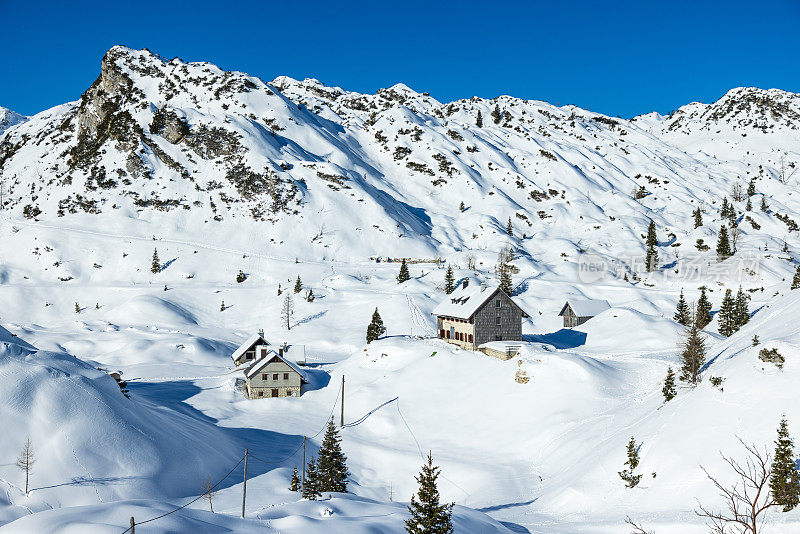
(222, 172)
(9, 118)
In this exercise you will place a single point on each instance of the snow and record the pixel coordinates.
(586, 308)
(538, 456)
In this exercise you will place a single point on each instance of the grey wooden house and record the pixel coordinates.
(577, 312)
(273, 375)
(247, 350)
(476, 314)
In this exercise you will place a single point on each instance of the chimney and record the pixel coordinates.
(465, 284)
(483, 287)
(280, 352)
(261, 332)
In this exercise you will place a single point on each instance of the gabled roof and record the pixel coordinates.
(270, 354)
(463, 302)
(586, 308)
(247, 345)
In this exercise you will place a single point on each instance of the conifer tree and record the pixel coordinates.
(751, 187)
(723, 244)
(479, 120)
(155, 267)
(375, 329)
(279, 290)
(310, 295)
(725, 211)
(784, 482)
(449, 280)
(741, 313)
(682, 313)
(764, 206)
(222, 306)
(509, 227)
(796, 279)
(403, 275)
(669, 390)
(727, 314)
(77, 308)
(698, 218)
(298, 285)
(461, 206)
(311, 483)
(703, 312)
(651, 258)
(627, 475)
(294, 482)
(25, 461)
(496, 114)
(427, 515)
(693, 355)
(749, 206)
(332, 463)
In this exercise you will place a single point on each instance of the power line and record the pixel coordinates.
(188, 503)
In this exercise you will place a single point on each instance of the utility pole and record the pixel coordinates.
(133, 525)
(341, 420)
(304, 463)
(244, 486)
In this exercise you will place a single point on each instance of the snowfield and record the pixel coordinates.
(221, 173)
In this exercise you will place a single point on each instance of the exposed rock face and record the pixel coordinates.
(9, 118)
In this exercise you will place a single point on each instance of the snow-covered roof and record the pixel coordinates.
(247, 345)
(267, 356)
(463, 302)
(586, 308)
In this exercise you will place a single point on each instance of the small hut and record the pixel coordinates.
(577, 312)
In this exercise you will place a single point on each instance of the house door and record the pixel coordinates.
(452, 332)
(274, 392)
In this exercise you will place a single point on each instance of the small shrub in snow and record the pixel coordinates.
(241, 277)
(717, 381)
(772, 356)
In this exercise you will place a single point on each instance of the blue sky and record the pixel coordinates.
(617, 58)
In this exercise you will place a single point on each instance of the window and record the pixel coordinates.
(470, 338)
(260, 393)
(274, 376)
(265, 376)
(498, 338)
(498, 303)
(497, 320)
(286, 376)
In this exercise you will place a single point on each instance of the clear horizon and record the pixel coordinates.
(618, 58)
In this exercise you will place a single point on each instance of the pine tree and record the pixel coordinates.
(741, 313)
(427, 515)
(310, 295)
(693, 355)
(77, 308)
(25, 461)
(479, 120)
(294, 482)
(496, 114)
(669, 390)
(449, 280)
(796, 279)
(332, 463)
(749, 206)
(682, 313)
(403, 275)
(651, 258)
(727, 314)
(461, 206)
(723, 245)
(509, 227)
(698, 218)
(751, 187)
(298, 285)
(703, 312)
(627, 475)
(279, 290)
(155, 267)
(725, 211)
(784, 482)
(222, 306)
(375, 329)
(311, 483)
(241, 277)
(764, 206)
